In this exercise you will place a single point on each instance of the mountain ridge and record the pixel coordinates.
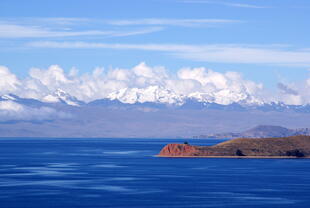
(261, 131)
(112, 118)
(61, 97)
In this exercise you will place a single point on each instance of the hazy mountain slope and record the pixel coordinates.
(112, 118)
(93, 121)
(261, 131)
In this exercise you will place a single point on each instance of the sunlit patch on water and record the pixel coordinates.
(55, 183)
(62, 165)
(123, 152)
(109, 166)
(111, 188)
(123, 179)
(45, 171)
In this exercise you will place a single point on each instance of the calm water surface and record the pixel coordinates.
(40, 173)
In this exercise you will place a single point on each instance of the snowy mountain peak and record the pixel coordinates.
(61, 96)
(158, 94)
(154, 94)
(225, 97)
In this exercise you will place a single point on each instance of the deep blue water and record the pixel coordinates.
(39, 173)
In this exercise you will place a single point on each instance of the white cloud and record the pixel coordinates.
(53, 75)
(54, 20)
(222, 88)
(218, 53)
(290, 99)
(142, 83)
(10, 30)
(136, 32)
(11, 111)
(10, 106)
(171, 22)
(71, 27)
(8, 81)
(296, 93)
(60, 21)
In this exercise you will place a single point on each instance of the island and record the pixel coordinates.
(283, 147)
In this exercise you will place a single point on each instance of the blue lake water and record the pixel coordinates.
(65, 173)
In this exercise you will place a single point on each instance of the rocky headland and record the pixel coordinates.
(284, 147)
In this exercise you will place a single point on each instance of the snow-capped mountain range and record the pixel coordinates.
(136, 113)
(59, 96)
(153, 94)
(144, 101)
(156, 96)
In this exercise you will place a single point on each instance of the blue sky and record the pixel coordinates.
(266, 41)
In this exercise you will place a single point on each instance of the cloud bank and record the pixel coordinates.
(141, 83)
(144, 83)
(12, 111)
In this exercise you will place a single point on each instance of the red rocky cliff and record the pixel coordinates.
(178, 150)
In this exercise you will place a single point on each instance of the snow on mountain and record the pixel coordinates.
(154, 94)
(61, 96)
(225, 97)
(157, 97)
(159, 94)
(144, 83)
